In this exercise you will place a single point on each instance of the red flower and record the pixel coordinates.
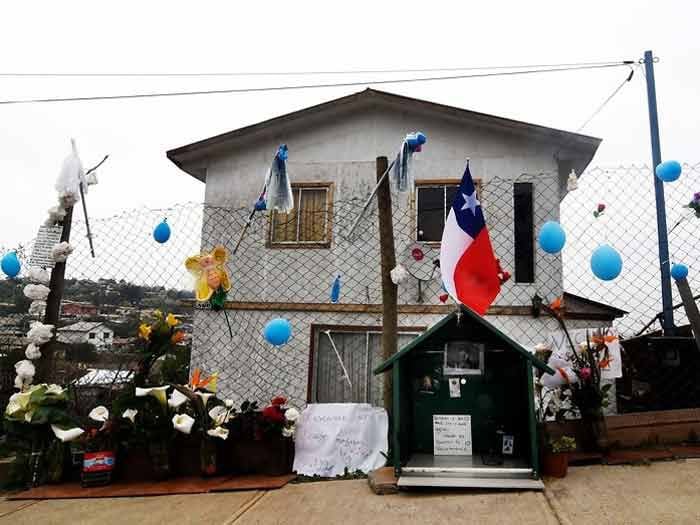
(279, 401)
(273, 413)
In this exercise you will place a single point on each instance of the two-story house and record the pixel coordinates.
(287, 262)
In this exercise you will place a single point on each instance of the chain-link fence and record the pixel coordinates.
(287, 264)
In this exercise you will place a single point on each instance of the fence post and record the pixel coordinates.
(388, 262)
(666, 298)
(53, 306)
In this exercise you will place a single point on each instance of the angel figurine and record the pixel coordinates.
(212, 279)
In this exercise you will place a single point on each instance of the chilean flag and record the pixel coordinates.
(468, 266)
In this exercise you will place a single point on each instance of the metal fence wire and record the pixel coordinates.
(334, 347)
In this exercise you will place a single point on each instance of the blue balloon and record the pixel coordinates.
(552, 237)
(10, 264)
(679, 271)
(162, 232)
(335, 290)
(277, 332)
(421, 138)
(606, 263)
(669, 170)
(283, 152)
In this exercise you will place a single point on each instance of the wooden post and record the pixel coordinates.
(388, 262)
(53, 306)
(691, 308)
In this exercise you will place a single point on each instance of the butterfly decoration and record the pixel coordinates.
(212, 280)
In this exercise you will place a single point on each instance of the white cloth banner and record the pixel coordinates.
(332, 437)
(610, 366)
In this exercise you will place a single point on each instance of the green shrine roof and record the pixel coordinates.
(472, 316)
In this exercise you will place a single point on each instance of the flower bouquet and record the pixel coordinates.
(200, 419)
(159, 336)
(37, 426)
(263, 440)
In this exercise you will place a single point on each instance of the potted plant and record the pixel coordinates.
(37, 425)
(99, 446)
(555, 462)
(201, 420)
(262, 441)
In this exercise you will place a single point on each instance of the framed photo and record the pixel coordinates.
(463, 358)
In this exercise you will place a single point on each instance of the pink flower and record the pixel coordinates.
(585, 373)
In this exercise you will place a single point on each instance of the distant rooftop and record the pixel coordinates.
(81, 326)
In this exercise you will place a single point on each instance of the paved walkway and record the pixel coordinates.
(664, 492)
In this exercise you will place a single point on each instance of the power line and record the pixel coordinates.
(35, 74)
(311, 86)
(607, 100)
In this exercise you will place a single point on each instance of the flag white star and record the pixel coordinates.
(471, 202)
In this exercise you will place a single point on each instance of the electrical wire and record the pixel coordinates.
(607, 100)
(309, 86)
(288, 73)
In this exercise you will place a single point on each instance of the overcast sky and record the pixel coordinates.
(267, 36)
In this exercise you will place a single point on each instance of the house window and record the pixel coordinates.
(523, 233)
(92, 336)
(106, 335)
(309, 223)
(359, 349)
(433, 202)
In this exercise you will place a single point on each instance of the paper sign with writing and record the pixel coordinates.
(452, 435)
(46, 239)
(333, 437)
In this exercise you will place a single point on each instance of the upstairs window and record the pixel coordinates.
(433, 203)
(523, 232)
(309, 223)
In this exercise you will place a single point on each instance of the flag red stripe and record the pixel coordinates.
(476, 274)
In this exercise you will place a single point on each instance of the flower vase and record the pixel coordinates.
(595, 431)
(207, 457)
(159, 453)
(555, 465)
(55, 460)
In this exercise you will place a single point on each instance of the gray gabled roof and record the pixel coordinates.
(81, 326)
(386, 365)
(189, 157)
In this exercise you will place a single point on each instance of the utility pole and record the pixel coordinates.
(53, 305)
(665, 266)
(388, 262)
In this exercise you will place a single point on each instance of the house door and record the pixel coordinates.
(359, 352)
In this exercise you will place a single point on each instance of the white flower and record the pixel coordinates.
(61, 251)
(39, 333)
(68, 199)
(99, 413)
(56, 214)
(18, 402)
(291, 414)
(398, 274)
(229, 403)
(219, 414)
(205, 397)
(219, 432)
(36, 292)
(25, 369)
(130, 413)
(37, 308)
(183, 423)
(572, 181)
(288, 432)
(177, 398)
(66, 435)
(156, 391)
(91, 178)
(19, 382)
(54, 390)
(38, 275)
(542, 347)
(32, 352)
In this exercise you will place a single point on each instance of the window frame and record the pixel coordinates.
(326, 243)
(316, 332)
(435, 183)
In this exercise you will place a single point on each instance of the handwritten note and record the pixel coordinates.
(333, 437)
(452, 435)
(47, 237)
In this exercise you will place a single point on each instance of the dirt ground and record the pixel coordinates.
(665, 492)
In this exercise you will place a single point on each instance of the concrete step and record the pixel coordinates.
(470, 482)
